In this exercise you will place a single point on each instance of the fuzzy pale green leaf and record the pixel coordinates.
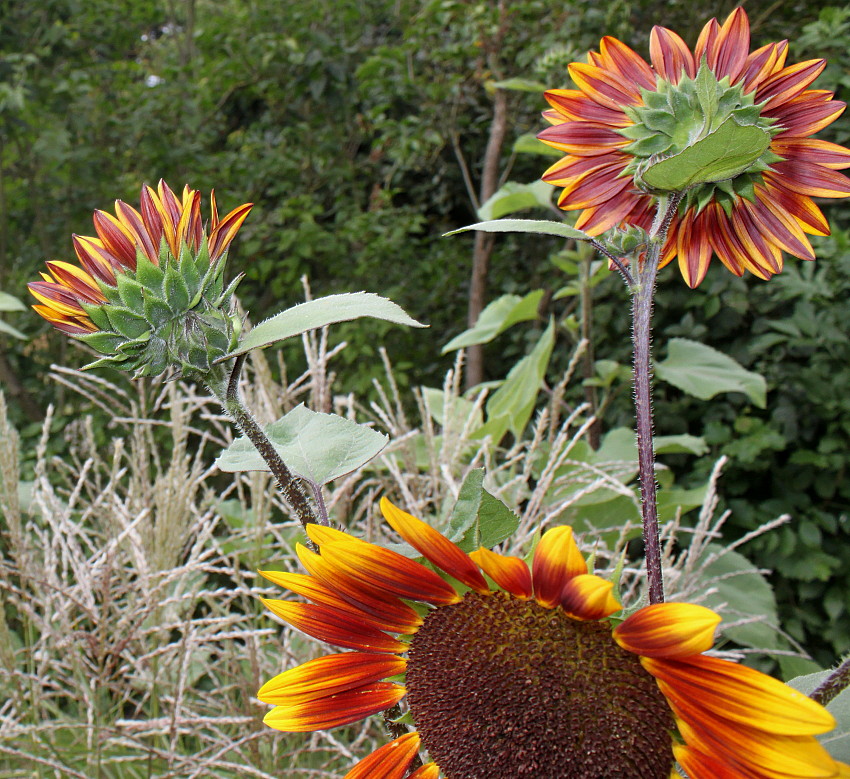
(704, 372)
(531, 144)
(497, 317)
(318, 447)
(318, 313)
(538, 226)
(727, 152)
(478, 518)
(10, 303)
(513, 197)
(511, 406)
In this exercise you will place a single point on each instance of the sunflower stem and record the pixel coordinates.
(835, 683)
(643, 293)
(226, 392)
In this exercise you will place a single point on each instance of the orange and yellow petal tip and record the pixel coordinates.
(668, 630)
(589, 597)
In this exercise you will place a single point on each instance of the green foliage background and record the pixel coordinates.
(345, 122)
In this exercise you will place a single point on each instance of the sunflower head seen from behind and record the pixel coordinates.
(728, 127)
(511, 670)
(148, 292)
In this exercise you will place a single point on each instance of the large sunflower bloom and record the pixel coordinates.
(516, 672)
(627, 112)
(164, 223)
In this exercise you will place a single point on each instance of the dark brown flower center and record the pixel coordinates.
(500, 686)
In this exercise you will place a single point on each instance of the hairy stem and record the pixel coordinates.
(227, 393)
(642, 300)
(835, 683)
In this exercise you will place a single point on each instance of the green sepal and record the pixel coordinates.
(126, 322)
(192, 279)
(110, 292)
(202, 258)
(198, 359)
(175, 290)
(107, 362)
(97, 315)
(165, 255)
(136, 345)
(103, 342)
(130, 291)
(157, 311)
(224, 298)
(149, 275)
(156, 359)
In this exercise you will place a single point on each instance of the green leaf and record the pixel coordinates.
(727, 152)
(519, 85)
(511, 406)
(514, 196)
(836, 742)
(741, 592)
(497, 317)
(10, 303)
(704, 372)
(478, 518)
(531, 144)
(320, 312)
(450, 411)
(680, 444)
(318, 447)
(539, 226)
(9, 330)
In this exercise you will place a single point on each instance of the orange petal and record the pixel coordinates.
(76, 280)
(807, 114)
(509, 573)
(670, 55)
(158, 220)
(329, 675)
(812, 151)
(731, 46)
(225, 231)
(585, 139)
(606, 88)
(668, 630)
(557, 559)
(578, 107)
(595, 188)
(763, 754)
(312, 588)
(783, 229)
(390, 572)
(335, 710)
(589, 597)
(598, 219)
(395, 615)
(427, 771)
(133, 222)
(116, 238)
(741, 694)
(391, 761)
(693, 249)
(443, 553)
(626, 62)
(334, 626)
(701, 766)
(95, 259)
(788, 83)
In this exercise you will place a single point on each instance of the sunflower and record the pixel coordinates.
(628, 115)
(165, 223)
(515, 671)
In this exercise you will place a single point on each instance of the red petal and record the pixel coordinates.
(788, 83)
(576, 106)
(693, 248)
(812, 151)
(509, 573)
(626, 62)
(603, 86)
(731, 46)
(807, 114)
(557, 559)
(762, 64)
(811, 180)
(598, 219)
(583, 138)
(670, 55)
(595, 188)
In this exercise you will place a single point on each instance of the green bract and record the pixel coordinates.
(703, 136)
(173, 317)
